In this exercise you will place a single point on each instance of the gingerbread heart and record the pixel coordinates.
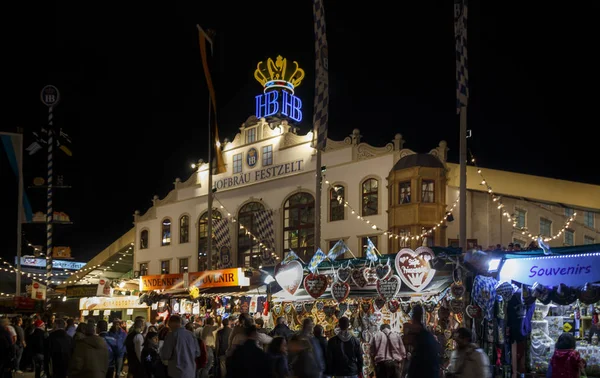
(358, 277)
(289, 276)
(393, 306)
(383, 271)
(340, 291)
(329, 311)
(413, 267)
(406, 307)
(370, 276)
(379, 303)
(277, 309)
(315, 284)
(365, 306)
(299, 308)
(457, 306)
(320, 306)
(473, 311)
(308, 306)
(344, 273)
(343, 307)
(389, 288)
(287, 308)
(353, 307)
(457, 290)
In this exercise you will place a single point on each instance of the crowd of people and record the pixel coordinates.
(240, 347)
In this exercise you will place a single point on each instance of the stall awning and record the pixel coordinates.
(437, 286)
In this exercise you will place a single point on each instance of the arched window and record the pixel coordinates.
(299, 227)
(370, 197)
(249, 251)
(184, 229)
(144, 239)
(203, 239)
(336, 203)
(165, 232)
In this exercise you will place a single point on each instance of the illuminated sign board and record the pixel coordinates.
(278, 83)
(56, 264)
(219, 278)
(572, 270)
(258, 175)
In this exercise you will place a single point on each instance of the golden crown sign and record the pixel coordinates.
(275, 74)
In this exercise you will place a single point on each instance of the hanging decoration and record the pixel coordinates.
(358, 277)
(315, 284)
(370, 275)
(340, 291)
(379, 303)
(289, 276)
(413, 267)
(457, 290)
(484, 295)
(393, 306)
(473, 311)
(383, 271)
(344, 273)
(389, 288)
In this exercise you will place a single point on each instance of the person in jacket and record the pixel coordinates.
(238, 335)
(58, 348)
(71, 328)
(208, 336)
(133, 346)
(248, 360)
(303, 363)
(180, 350)
(281, 329)
(118, 334)
(90, 355)
(19, 343)
(277, 352)
(7, 353)
(111, 344)
(425, 351)
(151, 363)
(308, 327)
(36, 343)
(468, 360)
(344, 354)
(221, 346)
(319, 334)
(566, 361)
(387, 352)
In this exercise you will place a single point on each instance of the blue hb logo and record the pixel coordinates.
(269, 103)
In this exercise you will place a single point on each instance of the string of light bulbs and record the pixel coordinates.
(71, 281)
(247, 230)
(511, 218)
(388, 233)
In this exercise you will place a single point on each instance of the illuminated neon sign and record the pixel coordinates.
(278, 83)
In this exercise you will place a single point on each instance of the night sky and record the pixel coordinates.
(134, 99)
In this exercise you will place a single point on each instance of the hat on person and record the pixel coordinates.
(38, 323)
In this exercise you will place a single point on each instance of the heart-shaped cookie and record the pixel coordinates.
(457, 306)
(344, 274)
(413, 267)
(393, 306)
(315, 284)
(287, 308)
(473, 311)
(370, 276)
(308, 306)
(365, 306)
(343, 307)
(353, 307)
(389, 288)
(340, 291)
(379, 303)
(329, 311)
(299, 308)
(406, 307)
(320, 305)
(358, 277)
(277, 309)
(289, 276)
(383, 271)
(457, 290)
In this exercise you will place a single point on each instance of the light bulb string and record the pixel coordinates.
(387, 232)
(261, 243)
(511, 218)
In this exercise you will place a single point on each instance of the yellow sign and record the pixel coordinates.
(218, 278)
(567, 327)
(110, 303)
(275, 74)
(162, 282)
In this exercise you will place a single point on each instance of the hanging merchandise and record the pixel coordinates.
(340, 291)
(541, 292)
(389, 288)
(289, 276)
(413, 267)
(315, 284)
(564, 295)
(343, 273)
(383, 271)
(370, 275)
(505, 290)
(484, 295)
(358, 277)
(590, 294)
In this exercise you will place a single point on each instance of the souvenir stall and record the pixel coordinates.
(216, 293)
(563, 288)
(371, 291)
(125, 308)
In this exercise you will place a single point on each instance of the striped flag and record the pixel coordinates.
(317, 259)
(222, 238)
(291, 256)
(216, 144)
(462, 73)
(12, 144)
(321, 76)
(338, 249)
(370, 252)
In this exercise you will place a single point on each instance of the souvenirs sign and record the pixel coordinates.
(572, 270)
(413, 267)
(219, 278)
(289, 276)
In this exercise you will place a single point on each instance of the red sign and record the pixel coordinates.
(36, 285)
(102, 282)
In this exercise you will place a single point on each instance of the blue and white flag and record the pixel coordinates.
(291, 256)
(370, 252)
(462, 73)
(12, 144)
(264, 228)
(338, 249)
(318, 257)
(321, 110)
(223, 243)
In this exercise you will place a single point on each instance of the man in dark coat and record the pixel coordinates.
(58, 351)
(344, 354)
(281, 329)
(248, 360)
